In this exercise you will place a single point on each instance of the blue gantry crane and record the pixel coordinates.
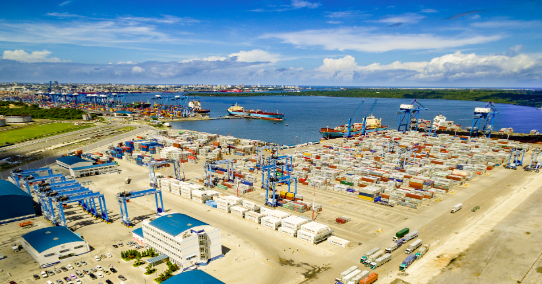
(59, 201)
(277, 171)
(364, 128)
(515, 159)
(536, 161)
(273, 149)
(484, 116)
(18, 174)
(155, 165)
(350, 120)
(48, 178)
(408, 112)
(212, 166)
(123, 197)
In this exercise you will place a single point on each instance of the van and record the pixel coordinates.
(457, 208)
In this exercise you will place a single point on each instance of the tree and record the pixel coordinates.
(149, 269)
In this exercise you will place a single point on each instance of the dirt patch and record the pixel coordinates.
(455, 261)
(539, 269)
(311, 271)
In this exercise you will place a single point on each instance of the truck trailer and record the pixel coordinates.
(393, 246)
(367, 254)
(381, 260)
(457, 208)
(422, 251)
(407, 262)
(410, 236)
(373, 257)
(401, 234)
(369, 279)
(413, 246)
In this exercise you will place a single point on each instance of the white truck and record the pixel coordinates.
(413, 246)
(422, 251)
(369, 253)
(410, 236)
(373, 257)
(457, 208)
(381, 260)
(393, 246)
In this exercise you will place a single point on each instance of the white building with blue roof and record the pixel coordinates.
(53, 245)
(69, 162)
(185, 240)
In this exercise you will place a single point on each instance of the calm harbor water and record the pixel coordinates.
(304, 116)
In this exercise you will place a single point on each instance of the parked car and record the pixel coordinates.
(108, 281)
(51, 273)
(64, 269)
(79, 273)
(36, 277)
(50, 282)
(85, 271)
(99, 267)
(73, 277)
(115, 246)
(77, 264)
(69, 266)
(67, 279)
(97, 258)
(113, 270)
(93, 269)
(100, 275)
(58, 270)
(44, 274)
(59, 281)
(83, 262)
(107, 272)
(122, 278)
(109, 255)
(92, 276)
(78, 281)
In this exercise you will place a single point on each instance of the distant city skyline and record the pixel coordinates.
(297, 42)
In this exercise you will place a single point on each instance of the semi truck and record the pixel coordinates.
(381, 260)
(422, 251)
(410, 236)
(413, 246)
(401, 234)
(457, 208)
(373, 257)
(367, 254)
(407, 262)
(393, 246)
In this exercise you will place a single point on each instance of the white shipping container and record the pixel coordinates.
(271, 222)
(238, 211)
(338, 241)
(288, 231)
(294, 222)
(278, 214)
(253, 216)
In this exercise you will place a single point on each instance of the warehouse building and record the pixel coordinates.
(15, 204)
(52, 245)
(69, 162)
(193, 277)
(2, 122)
(94, 170)
(18, 118)
(186, 241)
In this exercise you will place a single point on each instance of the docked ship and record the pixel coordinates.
(373, 124)
(237, 110)
(196, 105)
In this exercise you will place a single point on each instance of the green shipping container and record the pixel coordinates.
(402, 233)
(222, 186)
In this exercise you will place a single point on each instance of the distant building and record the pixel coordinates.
(18, 118)
(186, 241)
(15, 203)
(69, 162)
(53, 244)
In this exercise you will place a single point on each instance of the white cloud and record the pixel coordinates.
(403, 19)
(341, 14)
(34, 57)
(364, 40)
(456, 67)
(514, 50)
(166, 19)
(296, 4)
(334, 22)
(137, 69)
(63, 15)
(256, 55)
(126, 62)
(64, 3)
(499, 24)
(429, 11)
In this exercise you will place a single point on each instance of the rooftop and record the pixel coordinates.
(71, 160)
(176, 223)
(95, 166)
(8, 188)
(138, 231)
(193, 277)
(46, 238)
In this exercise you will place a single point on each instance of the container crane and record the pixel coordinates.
(61, 200)
(536, 161)
(17, 174)
(515, 159)
(363, 130)
(210, 168)
(487, 115)
(123, 197)
(407, 112)
(347, 135)
(153, 167)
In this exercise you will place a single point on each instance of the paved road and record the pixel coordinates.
(101, 143)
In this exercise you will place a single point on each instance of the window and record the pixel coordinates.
(78, 247)
(48, 255)
(64, 250)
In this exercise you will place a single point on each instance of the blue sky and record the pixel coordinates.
(302, 42)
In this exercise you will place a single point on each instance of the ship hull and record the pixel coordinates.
(237, 113)
(257, 115)
(332, 133)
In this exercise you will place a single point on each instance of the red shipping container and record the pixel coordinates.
(415, 196)
(369, 279)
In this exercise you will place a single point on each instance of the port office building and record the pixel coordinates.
(186, 241)
(80, 167)
(193, 277)
(52, 245)
(15, 203)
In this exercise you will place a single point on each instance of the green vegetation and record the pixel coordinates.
(519, 97)
(149, 253)
(168, 273)
(130, 254)
(7, 103)
(36, 112)
(149, 269)
(37, 131)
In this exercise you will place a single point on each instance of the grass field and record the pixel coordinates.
(37, 131)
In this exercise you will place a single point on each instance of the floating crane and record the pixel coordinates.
(487, 115)
(407, 112)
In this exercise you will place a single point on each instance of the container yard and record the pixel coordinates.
(368, 199)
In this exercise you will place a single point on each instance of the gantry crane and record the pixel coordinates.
(125, 196)
(536, 161)
(61, 200)
(18, 174)
(487, 115)
(364, 128)
(348, 131)
(210, 167)
(155, 165)
(515, 159)
(408, 112)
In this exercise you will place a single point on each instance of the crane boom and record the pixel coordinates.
(353, 119)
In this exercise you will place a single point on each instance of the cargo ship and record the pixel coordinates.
(372, 125)
(237, 110)
(196, 105)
